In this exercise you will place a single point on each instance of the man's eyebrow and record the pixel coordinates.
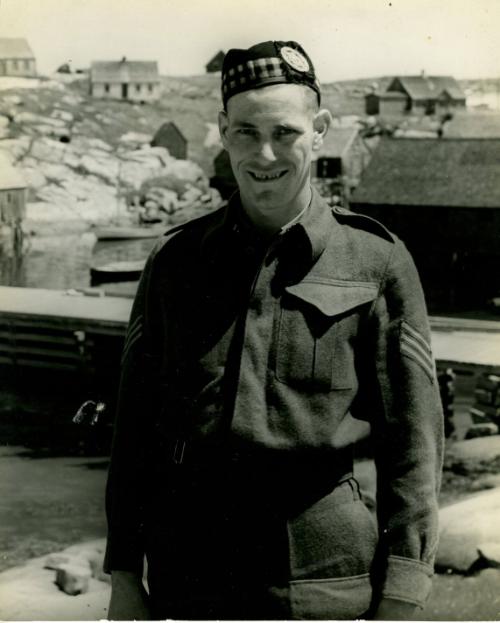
(244, 124)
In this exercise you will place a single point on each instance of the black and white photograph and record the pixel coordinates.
(250, 310)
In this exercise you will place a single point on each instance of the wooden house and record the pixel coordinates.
(12, 194)
(422, 95)
(215, 63)
(442, 197)
(343, 155)
(16, 58)
(169, 136)
(136, 81)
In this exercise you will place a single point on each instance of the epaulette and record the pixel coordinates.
(193, 221)
(363, 222)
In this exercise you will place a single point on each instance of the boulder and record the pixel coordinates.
(55, 561)
(13, 100)
(166, 199)
(35, 179)
(464, 526)
(72, 100)
(96, 562)
(29, 117)
(136, 137)
(104, 166)
(48, 149)
(484, 449)
(484, 429)
(64, 115)
(16, 148)
(82, 144)
(73, 579)
(185, 170)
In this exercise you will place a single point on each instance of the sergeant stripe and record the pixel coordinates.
(415, 355)
(134, 333)
(411, 343)
(415, 334)
(415, 346)
(135, 323)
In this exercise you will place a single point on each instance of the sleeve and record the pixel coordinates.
(407, 433)
(128, 470)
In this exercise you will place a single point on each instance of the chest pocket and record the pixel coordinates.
(317, 327)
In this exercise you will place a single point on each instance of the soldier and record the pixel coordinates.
(266, 339)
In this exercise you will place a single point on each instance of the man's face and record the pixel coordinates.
(269, 134)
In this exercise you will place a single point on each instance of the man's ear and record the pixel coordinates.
(321, 123)
(223, 125)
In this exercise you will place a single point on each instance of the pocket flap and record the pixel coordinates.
(334, 297)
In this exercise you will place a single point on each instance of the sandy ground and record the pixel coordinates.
(29, 592)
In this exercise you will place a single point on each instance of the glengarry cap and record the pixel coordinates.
(270, 62)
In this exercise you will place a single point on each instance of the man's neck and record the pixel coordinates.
(271, 221)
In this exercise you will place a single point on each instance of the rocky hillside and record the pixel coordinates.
(90, 161)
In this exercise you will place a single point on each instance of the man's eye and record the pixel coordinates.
(245, 132)
(283, 132)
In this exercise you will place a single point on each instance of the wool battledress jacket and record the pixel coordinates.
(251, 368)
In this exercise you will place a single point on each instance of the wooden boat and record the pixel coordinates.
(130, 232)
(116, 271)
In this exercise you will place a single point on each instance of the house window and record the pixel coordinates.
(329, 168)
(150, 88)
(9, 198)
(106, 88)
(26, 64)
(138, 88)
(14, 64)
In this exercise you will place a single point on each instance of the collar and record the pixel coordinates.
(309, 232)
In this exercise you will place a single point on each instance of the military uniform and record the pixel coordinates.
(251, 368)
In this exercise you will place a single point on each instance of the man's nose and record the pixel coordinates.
(266, 151)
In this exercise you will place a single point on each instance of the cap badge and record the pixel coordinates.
(294, 58)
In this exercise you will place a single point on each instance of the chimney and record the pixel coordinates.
(124, 59)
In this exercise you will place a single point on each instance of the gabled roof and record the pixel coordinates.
(169, 126)
(392, 95)
(336, 143)
(124, 71)
(429, 87)
(10, 178)
(216, 60)
(15, 48)
(432, 172)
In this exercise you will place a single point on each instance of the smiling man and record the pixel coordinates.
(266, 340)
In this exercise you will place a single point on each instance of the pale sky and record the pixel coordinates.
(345, 38)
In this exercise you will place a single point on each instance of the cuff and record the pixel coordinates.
(121, 555)
(408, 580)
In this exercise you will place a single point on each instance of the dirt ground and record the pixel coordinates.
(47, 504)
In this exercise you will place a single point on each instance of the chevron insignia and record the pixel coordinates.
(414, 345)
(134, 333)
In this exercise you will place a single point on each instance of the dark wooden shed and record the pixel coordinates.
(169, 136)
(223, 180)
(442, 197)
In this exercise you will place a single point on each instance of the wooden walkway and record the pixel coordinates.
(58, 329)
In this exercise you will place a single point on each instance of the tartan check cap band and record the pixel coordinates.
(271, 62)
